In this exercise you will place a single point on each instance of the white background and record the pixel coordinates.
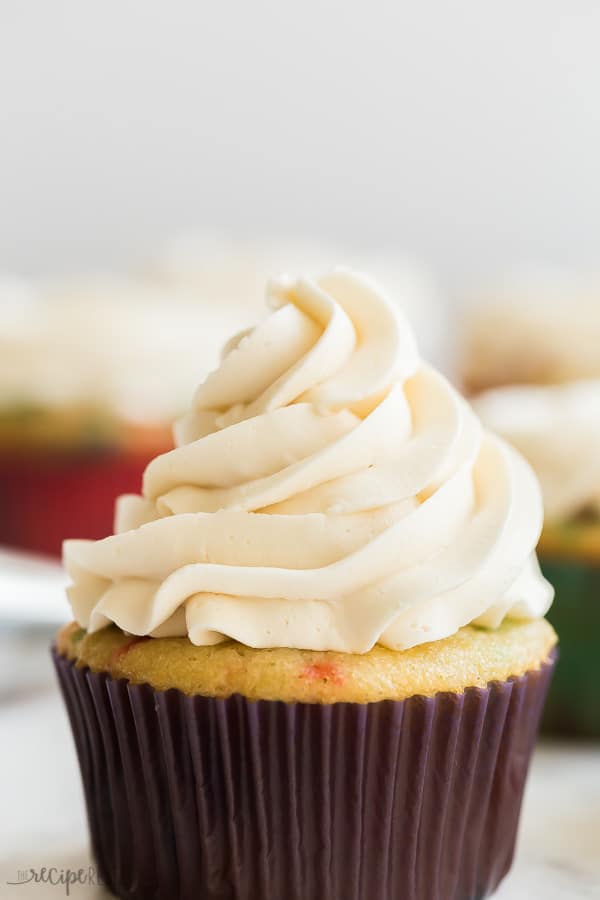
(464, 133)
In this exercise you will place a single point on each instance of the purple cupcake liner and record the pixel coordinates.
(197, 798)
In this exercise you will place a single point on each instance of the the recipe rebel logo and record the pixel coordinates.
(64, 878)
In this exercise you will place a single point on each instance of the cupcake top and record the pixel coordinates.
(219, 268)
(536, 327)
(328, 491)
(557, 428)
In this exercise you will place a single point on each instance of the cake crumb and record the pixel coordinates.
(322, 672)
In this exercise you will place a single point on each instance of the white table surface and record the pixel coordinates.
(42, 815)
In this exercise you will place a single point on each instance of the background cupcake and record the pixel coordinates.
(558, 429)
(82, 407)
(534, 346)
(313, 657)
(537, 326)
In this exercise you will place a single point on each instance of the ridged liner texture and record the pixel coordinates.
(197, 798)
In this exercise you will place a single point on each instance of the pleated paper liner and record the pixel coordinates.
(195, 798)
(573, 706)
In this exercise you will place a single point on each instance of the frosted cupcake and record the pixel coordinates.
(83, 404)
(538, 326)
(312, 660)
(558, 429)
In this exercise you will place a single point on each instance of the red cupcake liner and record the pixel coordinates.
(196, 798)
(45, 499)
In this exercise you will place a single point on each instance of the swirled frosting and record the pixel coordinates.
(328, 491)
(557, 428)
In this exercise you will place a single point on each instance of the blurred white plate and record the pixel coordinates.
(32, 589)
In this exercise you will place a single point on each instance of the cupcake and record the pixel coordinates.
(557, 428)
(312, 659)
(538, 326)
(92, 372)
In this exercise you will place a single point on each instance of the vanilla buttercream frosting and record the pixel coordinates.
(222, 268)
(328, 491)
(557, 428)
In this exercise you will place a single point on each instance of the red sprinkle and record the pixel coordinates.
(125, 648)
(322, 672)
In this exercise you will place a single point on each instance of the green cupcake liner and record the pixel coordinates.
(573, 706)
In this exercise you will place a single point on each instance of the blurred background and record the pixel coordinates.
(158, 161)
(465, 134)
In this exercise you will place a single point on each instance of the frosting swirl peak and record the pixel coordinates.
(327, 491)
